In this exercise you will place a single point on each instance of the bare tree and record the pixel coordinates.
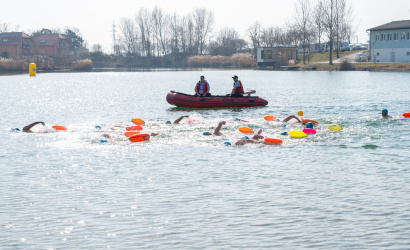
(272, 36)
(128, 37)
(204, 21)
(304, 23)
(318, 21)
(254, 34)
(96, 48)
(328, 10)
(227, 42)
(175, 27)
(160, 26)
(4, 27)
(345, 17)
(143, 19)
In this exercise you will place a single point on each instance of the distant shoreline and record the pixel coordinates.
(371, 67)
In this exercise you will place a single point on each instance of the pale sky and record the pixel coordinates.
(95, 18)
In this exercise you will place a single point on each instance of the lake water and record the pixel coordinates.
(66, 190)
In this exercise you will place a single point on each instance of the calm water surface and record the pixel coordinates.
(66, 190)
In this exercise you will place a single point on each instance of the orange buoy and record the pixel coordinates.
(273, 141)
(129, 134)
(269, 117)
(137, 121)
(58, 127)
(245, 130)
(304, 121)
(407, 114)
(132, 128)
(139, 138)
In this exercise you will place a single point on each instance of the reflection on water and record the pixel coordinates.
(181, 189)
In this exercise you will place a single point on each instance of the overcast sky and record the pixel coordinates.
(95, 18)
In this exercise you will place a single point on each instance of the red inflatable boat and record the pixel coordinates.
(218, 101)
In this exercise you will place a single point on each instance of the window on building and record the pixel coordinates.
(267, 54)
(389, 37)
(408, 53)
(5, 40)
(396, 36)
(408, 35)
(383, 37)
(403, 36)
(43, 42)
(377, 37)
(377, 54)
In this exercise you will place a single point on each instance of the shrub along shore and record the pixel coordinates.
(236, 61)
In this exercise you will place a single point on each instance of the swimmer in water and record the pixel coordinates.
(300, 118)
(180, 119)
(217, 130)
(385, 113)
(255, 139)
(28, 127)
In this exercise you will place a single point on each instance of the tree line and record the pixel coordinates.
(155, 33)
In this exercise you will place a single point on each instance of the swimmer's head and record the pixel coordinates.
(245, 137)
(284, 133)
(309, 125)
(385, 111)
(168, 122)
(206, 133)
(227, 143)
(300, 113)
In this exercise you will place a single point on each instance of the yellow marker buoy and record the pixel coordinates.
(334, 127)
(32, 69)
(297, 134)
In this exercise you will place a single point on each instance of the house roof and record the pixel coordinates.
(12, 38)
(404, 24)
(48, 39)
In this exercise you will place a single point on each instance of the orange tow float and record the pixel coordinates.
(245, 130)
(137, 121)
(269, 117)
(131, 133)
(132, 128)
(58, 127)
(139, 138)
(273, 141)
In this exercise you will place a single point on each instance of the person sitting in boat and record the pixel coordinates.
(202, 88)
(237, 90)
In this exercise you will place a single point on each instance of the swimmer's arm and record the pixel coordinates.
(28, 127)
(290, 117)
(180, 119)
(218, 129)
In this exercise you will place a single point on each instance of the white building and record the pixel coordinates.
(390, 42)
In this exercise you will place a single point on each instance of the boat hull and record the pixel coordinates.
(190, 101)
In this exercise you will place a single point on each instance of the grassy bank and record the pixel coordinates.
(323, 57)
(389, 67)
(43, 63)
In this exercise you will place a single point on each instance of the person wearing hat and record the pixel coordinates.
(202, 88)
(237, 87)
(385, 113)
